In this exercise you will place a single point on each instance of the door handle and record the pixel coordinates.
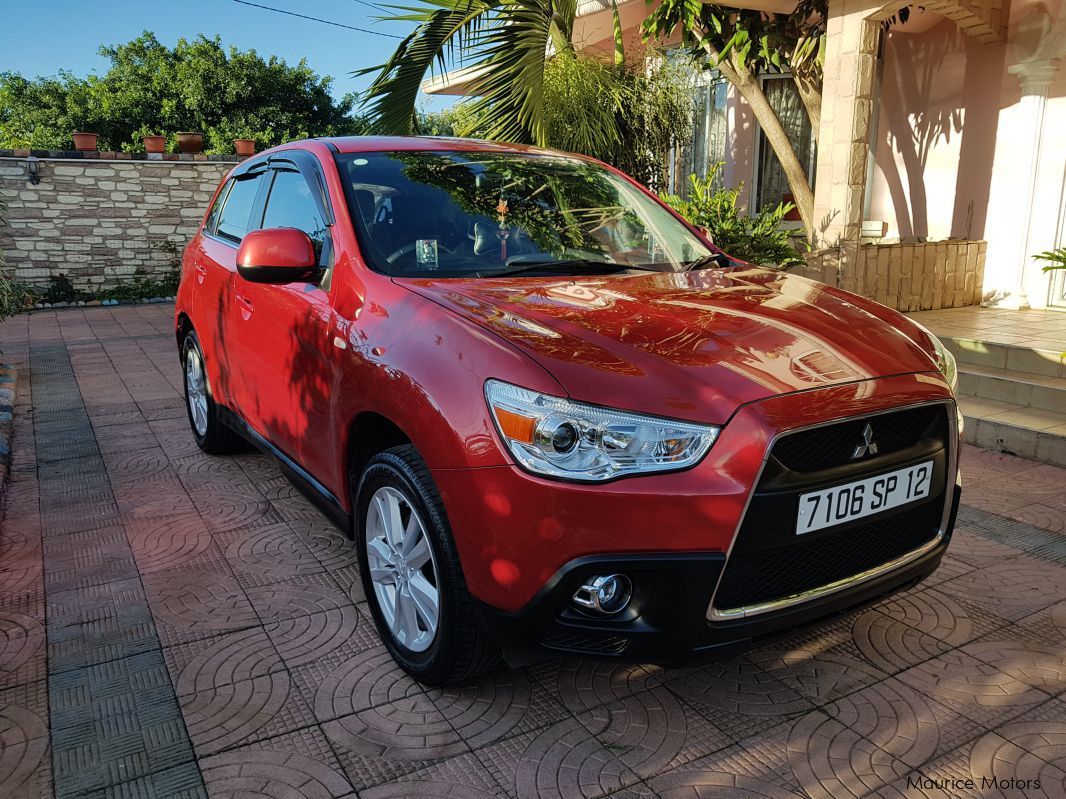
(247, 307)
(201, 272)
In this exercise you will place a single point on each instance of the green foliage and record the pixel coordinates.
(1054, 259)
(618, 113)
(615, 112)
(505, 41)
(758, 41)
(150, 88)
(758, 239)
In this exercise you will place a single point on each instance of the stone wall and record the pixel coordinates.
(99, 221)
(908, 277)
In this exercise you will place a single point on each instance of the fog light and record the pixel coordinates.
(605, 594)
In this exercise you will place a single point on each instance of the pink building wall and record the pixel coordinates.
(953, 145)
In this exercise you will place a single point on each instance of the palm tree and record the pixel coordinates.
(505, 42)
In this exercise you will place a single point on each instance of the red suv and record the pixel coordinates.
(550, 413)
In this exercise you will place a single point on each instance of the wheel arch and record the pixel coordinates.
(366, 435)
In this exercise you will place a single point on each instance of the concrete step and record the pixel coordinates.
(1034, 356)
(1009, 385)
(1022, 430)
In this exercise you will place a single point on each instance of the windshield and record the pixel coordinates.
(476, 214)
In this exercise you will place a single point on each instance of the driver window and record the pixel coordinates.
(290, 204)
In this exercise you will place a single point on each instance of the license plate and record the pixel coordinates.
(843, 503)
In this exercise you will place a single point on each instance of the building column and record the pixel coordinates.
(844, 133)
(1035, 77)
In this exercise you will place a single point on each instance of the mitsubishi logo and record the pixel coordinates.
(868, 445)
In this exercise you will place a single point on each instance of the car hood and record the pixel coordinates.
(692, 345)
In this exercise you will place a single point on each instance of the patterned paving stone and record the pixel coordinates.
(242, 712)
(1041, 665)
(832, 761)
(197, 602)
(892, 645)
(138, 685)
(305, 595)
(22, 642)
(461, 777)
(561, 762)
(494, 706)
(739, 697)
(302, 639)
(819, 676)
(270, 552)
(972, 687)
(24, 766)
(180, 541)
(709, 784)
(907, 724)
(299, 764)
(1016, 588)
(586, 684)
(99, 623)
(223, 659)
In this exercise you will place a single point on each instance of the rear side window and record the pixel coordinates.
(291, 205)
(233, 219)
(212, 218)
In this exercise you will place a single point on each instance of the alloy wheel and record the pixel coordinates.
(403, 569)
(196, 390)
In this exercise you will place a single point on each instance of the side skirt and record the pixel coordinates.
(321, 496)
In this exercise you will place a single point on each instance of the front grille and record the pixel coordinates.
(755, 577)
(833, 445)
(586, 643)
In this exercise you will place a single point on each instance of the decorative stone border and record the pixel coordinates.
(94, 303)
(111, 155)
(8, 379)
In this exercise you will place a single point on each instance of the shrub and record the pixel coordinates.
(758, 239)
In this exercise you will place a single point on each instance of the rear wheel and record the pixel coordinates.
(411, 572)
(212, 436)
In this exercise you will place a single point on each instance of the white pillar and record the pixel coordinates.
(1035, 77)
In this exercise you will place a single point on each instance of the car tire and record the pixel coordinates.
(400, 572)
(212, 436)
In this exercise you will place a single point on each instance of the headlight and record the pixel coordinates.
(560, 438)
(945, 361)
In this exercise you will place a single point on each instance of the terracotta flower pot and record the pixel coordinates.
(244, 147)
(189, 142)
(85, 141)
(155, 144)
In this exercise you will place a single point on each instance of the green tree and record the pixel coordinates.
(197, 85)
(506, 42)
(533, 86)
(741, 44)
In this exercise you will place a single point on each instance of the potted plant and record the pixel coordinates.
(190, 142)
(154, 143)
(85, 141)
(244, 147)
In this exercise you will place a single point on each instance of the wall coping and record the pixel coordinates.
(108, 155)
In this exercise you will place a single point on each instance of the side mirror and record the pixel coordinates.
(277, 255)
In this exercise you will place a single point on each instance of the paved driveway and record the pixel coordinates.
(173, 624)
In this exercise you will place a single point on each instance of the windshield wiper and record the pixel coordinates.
(584, 264)
(717, 259)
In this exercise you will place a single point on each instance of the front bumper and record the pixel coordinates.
(667, 618)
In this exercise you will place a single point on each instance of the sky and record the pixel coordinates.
(69, 35)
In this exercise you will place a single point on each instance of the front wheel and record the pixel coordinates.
(412, 575)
